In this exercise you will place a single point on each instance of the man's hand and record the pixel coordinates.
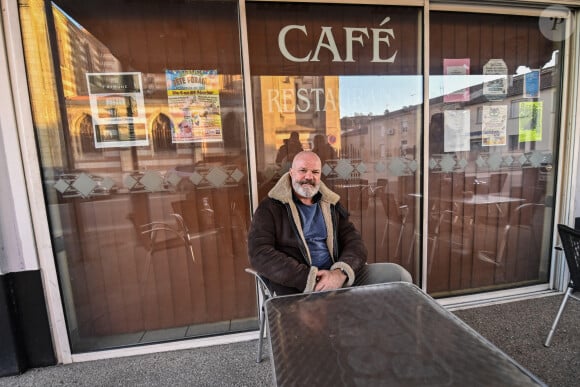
(329, 279)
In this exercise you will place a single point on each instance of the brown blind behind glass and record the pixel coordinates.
(151, 36)
(480, 37)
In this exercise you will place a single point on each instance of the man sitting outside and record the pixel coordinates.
(301, 239)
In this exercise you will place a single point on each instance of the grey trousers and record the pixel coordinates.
(379, 273)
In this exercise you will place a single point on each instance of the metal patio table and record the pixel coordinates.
(381, 335)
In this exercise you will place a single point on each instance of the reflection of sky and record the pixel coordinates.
(366, 94)
(361, 95)
(369, 94)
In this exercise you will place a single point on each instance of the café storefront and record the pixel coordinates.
(157, 127)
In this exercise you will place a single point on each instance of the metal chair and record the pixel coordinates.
(264, 294)
(571, 244)
(527, 216)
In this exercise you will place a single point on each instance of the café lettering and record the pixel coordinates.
(353, 35)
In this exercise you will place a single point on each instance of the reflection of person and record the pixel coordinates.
(289, 149)
(323, 149)
(436, 134)
(301, 239)
(312, 315)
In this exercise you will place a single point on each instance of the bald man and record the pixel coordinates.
(301, 238)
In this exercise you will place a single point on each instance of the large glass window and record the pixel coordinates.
(346, 82)
(494, 118)
(139, 114)
(141, 133)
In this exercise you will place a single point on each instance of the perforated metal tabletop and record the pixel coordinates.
(381, 335)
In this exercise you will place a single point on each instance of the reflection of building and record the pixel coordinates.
(81, 53)
(308, 105)
(393, 134)
(383, 136)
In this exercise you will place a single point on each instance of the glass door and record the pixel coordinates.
(495, 91)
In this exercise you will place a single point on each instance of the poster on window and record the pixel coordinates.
(456, 80)
(495, 80)
(494, 125)
(530, 121)
(194, 104)
(532, 84)
(117, 109)
(456, 130)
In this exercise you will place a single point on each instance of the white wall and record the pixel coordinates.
(17, 245)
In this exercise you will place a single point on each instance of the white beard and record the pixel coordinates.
(306, 190)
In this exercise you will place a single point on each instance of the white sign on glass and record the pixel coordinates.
(117, 109)
(456, 130)
(493, 125)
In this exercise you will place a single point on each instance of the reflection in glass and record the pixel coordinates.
(150, 230)
(357, 105)
(492, 141)
(369, 158)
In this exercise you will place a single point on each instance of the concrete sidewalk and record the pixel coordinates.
(518, 328)
(222, 365)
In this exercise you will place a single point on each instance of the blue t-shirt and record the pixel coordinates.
(315, 234)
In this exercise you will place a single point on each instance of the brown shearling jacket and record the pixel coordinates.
(277, 248)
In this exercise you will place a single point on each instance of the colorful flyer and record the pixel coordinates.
(117, 109)
(494, 125)
(456, 130)
(532, 84)
(194, 104)
(456, 80)
(530, 121)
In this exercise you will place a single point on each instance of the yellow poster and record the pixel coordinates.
(193, 98)
(530, 121)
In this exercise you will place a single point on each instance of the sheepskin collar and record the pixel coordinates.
(282, 191)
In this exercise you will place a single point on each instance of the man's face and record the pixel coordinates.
(305, 174)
